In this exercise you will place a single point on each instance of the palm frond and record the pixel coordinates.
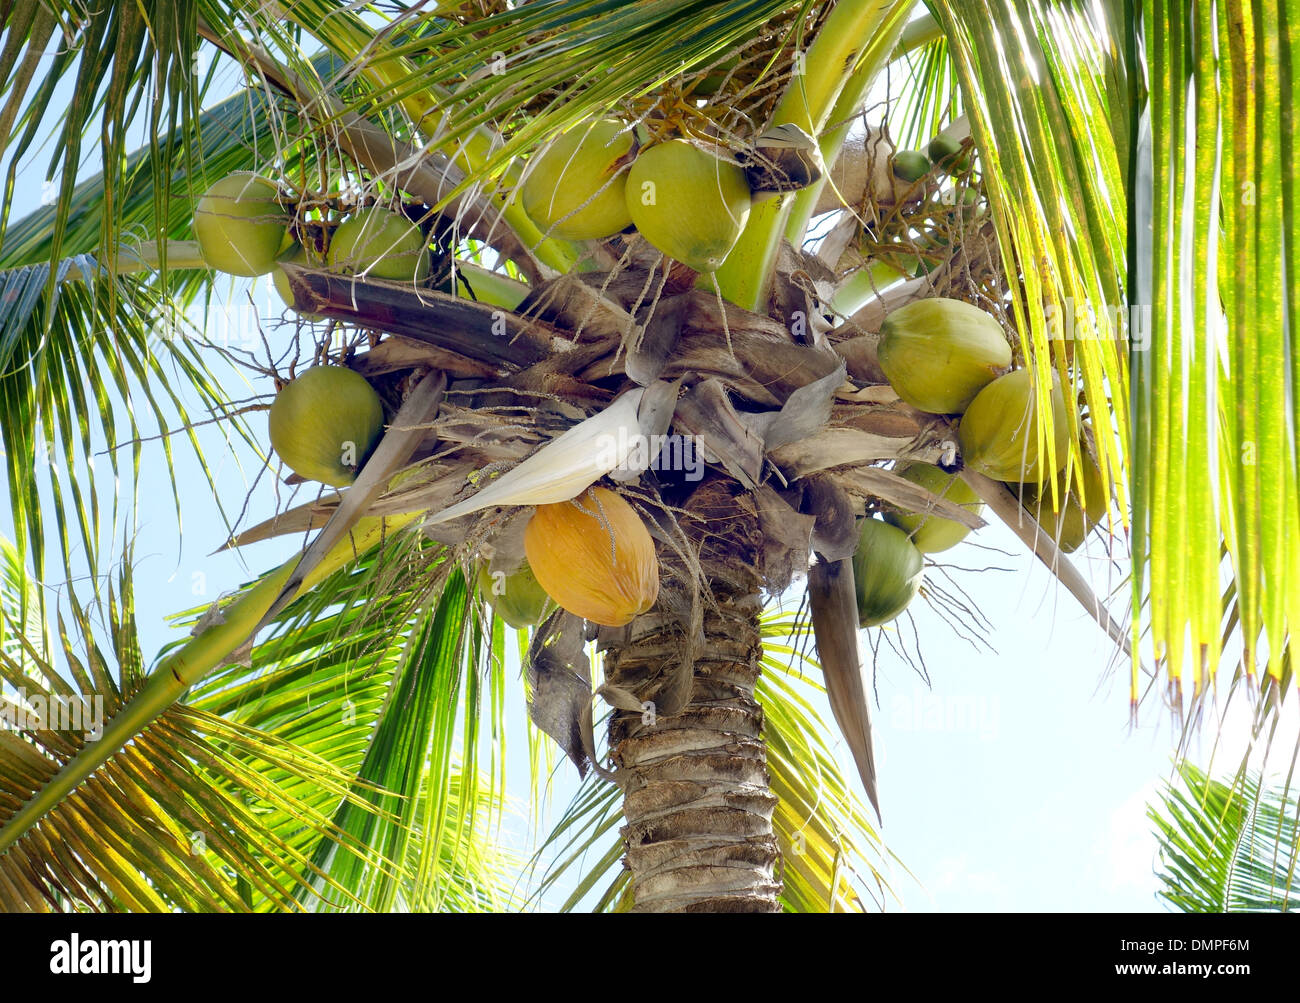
(1227, 847)
(264, 791)
(1215, 458)
(88, 341)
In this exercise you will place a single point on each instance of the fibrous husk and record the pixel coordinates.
(380, 244)
(932, 533)
(688, 203)
(296, 255)
(240, 225)
(576, 189)
(516, 598)
(1066, 517)
(324, 424)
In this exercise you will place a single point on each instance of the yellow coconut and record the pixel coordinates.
(932, 533)
(688, 203)
(594, 556)
(324, 424)
(938, 353)
(576, 189)
(240, 225)
(999, 431)
(887, 572)
(380, 244)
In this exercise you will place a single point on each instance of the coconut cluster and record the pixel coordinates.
(325, 423)
(244, 226)
(595, 181)
(947, 357)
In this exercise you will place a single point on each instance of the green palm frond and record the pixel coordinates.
(84, 350)
(1228, 847)
(834, 858)
(1215, 457)
(68, 358)
(342, 769)
(257, 793)
(389, 659)
(1054, 189)
(127, 67)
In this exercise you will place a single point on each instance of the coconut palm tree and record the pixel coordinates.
(1059, 131)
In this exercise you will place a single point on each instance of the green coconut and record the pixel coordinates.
(911, 165)
(950, 154)
(886, 572)
(324, 424)
(1063, 516)
(689, 204)
(381, 244)
(516, 598)
(999, 431)
(938, 353)
(932, 533)
(577, 189)
(240, 225)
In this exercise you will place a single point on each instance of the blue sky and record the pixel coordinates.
(1013, 782)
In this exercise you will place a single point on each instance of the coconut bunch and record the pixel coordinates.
(248, 225)
(904, 215)
(588, 451)
(502, 471)
(688, 197)
(944, 356)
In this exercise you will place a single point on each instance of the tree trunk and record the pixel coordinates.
(697, 801)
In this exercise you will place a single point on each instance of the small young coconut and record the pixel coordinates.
(380, 244)
(577, 188)
(938, 353)
(324, 424)
(517, 598)
(932, 533)
(911, 165)
(240, 225)
(886, 572)
(950, 154)
(594, 556)
(999, 431)
(689, 204)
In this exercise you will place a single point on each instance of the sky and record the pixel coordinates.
(1014, 781)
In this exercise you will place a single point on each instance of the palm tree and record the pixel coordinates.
(1076, 117)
